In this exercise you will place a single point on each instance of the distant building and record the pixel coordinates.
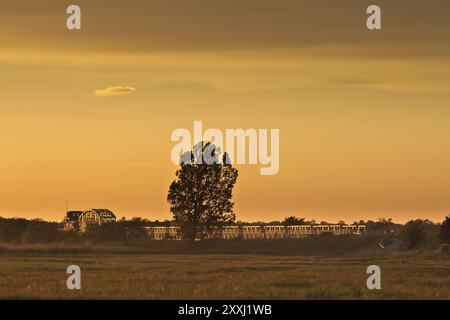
(81, 220)
(71, 220)
(263, 231)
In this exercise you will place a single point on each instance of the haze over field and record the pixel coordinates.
(86, 116)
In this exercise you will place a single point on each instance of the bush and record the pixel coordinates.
(28, 231)
(414, 233)
(120, 231)
(444, 230)
(38, 231)
(11, 230)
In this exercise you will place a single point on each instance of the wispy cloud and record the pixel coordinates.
(113, 91)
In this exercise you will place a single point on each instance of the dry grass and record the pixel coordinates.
(219, 276)
(310, 246)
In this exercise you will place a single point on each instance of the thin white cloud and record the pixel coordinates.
(113, 91)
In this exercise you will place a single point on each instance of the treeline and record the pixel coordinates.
(18, 230)
(293, 220)
(23, 231)
(120, 231)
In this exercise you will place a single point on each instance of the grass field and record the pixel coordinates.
(41, 275)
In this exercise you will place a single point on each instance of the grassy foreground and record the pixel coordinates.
(28, 274)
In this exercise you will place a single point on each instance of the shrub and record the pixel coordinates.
(414, 233)
(444, 230)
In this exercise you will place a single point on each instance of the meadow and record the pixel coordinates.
(167, 270)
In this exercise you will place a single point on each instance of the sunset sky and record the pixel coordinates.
(364, 116)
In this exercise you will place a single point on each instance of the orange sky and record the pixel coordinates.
(363, 115)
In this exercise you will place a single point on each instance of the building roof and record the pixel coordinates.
(73, 215)
(103, 213)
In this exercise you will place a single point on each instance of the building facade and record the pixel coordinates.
(81, 221)
(248, 232)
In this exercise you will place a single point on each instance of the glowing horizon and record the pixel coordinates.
(363, 117)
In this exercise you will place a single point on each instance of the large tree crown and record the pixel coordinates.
(200, 197)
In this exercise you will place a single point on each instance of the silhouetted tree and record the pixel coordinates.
(16, 230)
(12, 229)
(135, 228)
(39, 231)
(293, 221)
(414, 233)
(382, 226)
(384, 221)
(200, 197)
(121, 230)
(444, 230)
